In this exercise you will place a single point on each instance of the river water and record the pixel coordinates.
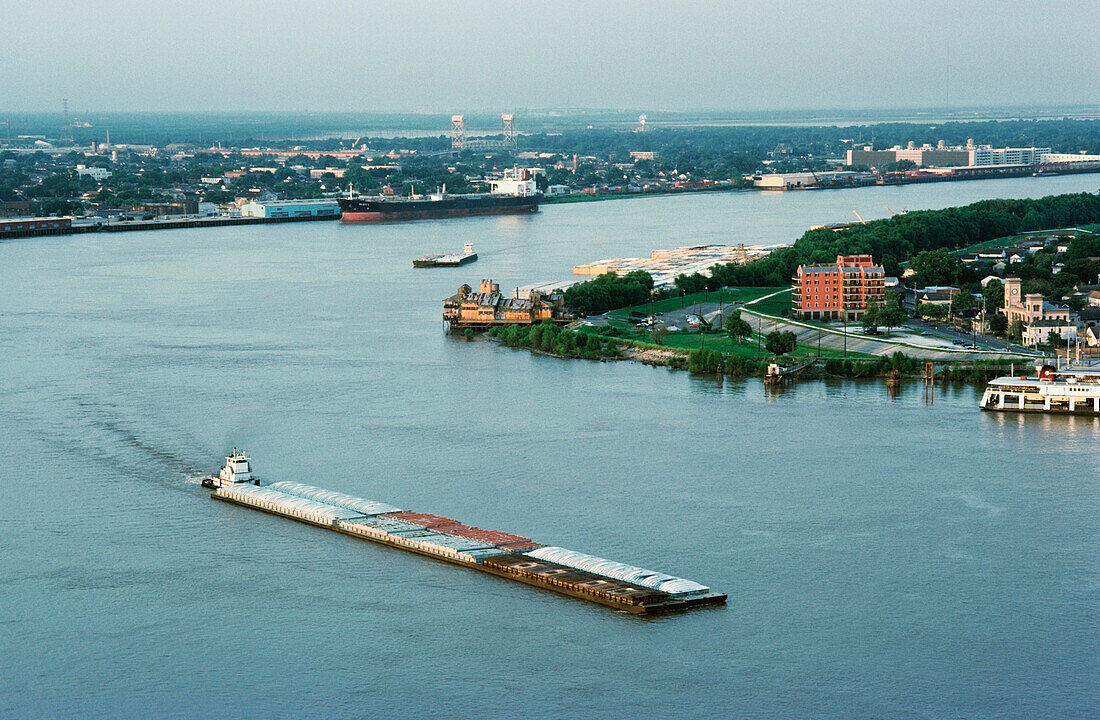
(884, 556)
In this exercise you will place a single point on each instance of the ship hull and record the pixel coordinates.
(372, 211)
(1079, 410)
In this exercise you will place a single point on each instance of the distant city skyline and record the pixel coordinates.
(443, 57)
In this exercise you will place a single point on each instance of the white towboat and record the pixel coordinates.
(236, 471)
(1069, 390)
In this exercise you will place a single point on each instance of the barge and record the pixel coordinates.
(1074, 391)
(447, 260)
(514, 557)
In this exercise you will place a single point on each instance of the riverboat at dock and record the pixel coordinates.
(1071, 390)
(447, 260)
(587, 577)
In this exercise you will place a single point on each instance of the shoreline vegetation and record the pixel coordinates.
(605, 345)
(739, 351)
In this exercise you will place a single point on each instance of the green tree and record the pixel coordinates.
(993, 295)
(934, 267)
(871, 318)
(892, 315)
(1054, 339)
(961, 302)
(736, 327)
(1016, 329)
(932, 311)
(780, 342)
(998, 324)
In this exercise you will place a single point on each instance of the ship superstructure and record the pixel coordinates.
(236, 471)
(1074, 390)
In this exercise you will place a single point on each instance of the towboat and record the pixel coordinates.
(236, 471)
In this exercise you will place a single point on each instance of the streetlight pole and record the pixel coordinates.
(981, 320)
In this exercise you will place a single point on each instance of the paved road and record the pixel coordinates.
(935, 347)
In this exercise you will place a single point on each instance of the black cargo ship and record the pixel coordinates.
(383, 209)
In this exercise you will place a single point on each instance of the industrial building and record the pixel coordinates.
(27, 227)
(986, 155)
(970, 155)
(291, 209)
(800, 180)
(841, 291)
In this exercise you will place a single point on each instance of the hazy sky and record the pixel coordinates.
(466, 56)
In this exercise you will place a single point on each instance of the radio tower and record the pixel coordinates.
(66, 126)
(458, 132)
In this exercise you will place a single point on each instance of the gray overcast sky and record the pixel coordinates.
(467, 56)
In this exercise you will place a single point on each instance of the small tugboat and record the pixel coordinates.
(236, 471)
(444, 260)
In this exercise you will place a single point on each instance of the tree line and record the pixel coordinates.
(610, 292)
(895, 240)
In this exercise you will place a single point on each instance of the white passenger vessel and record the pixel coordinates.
(1069, 390)
(236, 471)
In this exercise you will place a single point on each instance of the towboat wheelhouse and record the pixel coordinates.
(236, 471)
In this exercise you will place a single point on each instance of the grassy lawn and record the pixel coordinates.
(725, 295)
(1013, 239)
(775, 305)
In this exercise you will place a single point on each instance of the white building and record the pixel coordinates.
(291, 209)
(785, 181)
(987, 155)
(319, 173)
(96, 173)
(1038, 331)
(1049, 157)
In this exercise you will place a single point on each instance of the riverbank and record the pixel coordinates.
(589, 344)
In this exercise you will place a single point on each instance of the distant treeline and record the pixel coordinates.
(706, 147)
(692, 145)
(895, 240)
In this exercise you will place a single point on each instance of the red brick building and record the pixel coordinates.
(841, 291)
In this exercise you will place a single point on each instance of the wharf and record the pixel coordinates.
(510, 558)
(180, 223)
(167, 223)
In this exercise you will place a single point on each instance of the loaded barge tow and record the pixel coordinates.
(609, 583)
(447, 259)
